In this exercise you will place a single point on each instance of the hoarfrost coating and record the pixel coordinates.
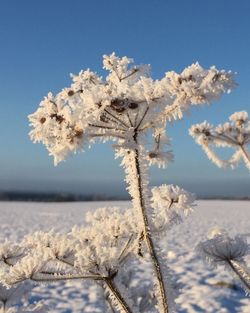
(112, 108)
(222, 249)
(131, 109)
(234, 134)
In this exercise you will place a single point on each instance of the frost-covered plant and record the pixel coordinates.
(133, 110)
(169, 204)
(234, 134)
(221, 249)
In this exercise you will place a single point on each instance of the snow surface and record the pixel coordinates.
(203, 289)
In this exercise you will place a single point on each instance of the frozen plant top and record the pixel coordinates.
(221, 249)
(124, 107)
(85, 251)
(234, 134)
(170, 203)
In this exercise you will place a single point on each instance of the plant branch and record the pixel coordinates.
(53, 278)
(239, 274)
(146, 229)
(115, 292)
(144, 115)
(107, 127)
(129, 119)
(245, 153)
(130, 74)
(117, 118)
(107, 135)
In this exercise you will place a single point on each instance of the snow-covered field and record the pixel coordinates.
(203, 290)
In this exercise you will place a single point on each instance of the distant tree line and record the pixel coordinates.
(54, 197)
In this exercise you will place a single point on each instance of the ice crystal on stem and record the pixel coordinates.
(221, 249)
(131, 109)
(234, 134)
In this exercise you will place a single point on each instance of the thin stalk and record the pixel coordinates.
(245, 153)
(107, 135)
(146, 227)
(238, 274)
(116, 118)
(52, 278)
(129, 119)
(144, 115)
(148, 238)
(115, 292)
(107, 127)
(129, 75)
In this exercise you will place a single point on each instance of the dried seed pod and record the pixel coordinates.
(58, 118)
(78, 133)
(42, 120)
(206, 133)
(118, 105)
(152, 155)
(133, 105)
(104, 118)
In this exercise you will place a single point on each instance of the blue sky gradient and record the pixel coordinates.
(43, 41)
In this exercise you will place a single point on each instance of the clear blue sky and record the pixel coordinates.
(43, 41)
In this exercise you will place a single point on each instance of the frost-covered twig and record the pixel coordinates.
(235, 134)
(116, 297)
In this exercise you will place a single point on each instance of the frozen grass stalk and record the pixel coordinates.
(131, 109)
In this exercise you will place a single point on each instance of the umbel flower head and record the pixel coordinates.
(84, 251)
(128, 104)
(106, 243)
(221, 249)
(234, 134)
(170, 203)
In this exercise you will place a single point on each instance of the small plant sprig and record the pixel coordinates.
(133, 110)
(234, 134)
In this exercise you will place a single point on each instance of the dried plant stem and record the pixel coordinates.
(46, 277)
(146, 229)
(246, 154)
(108, 280)
(115, 292)
(54, 278)
(237, 269)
